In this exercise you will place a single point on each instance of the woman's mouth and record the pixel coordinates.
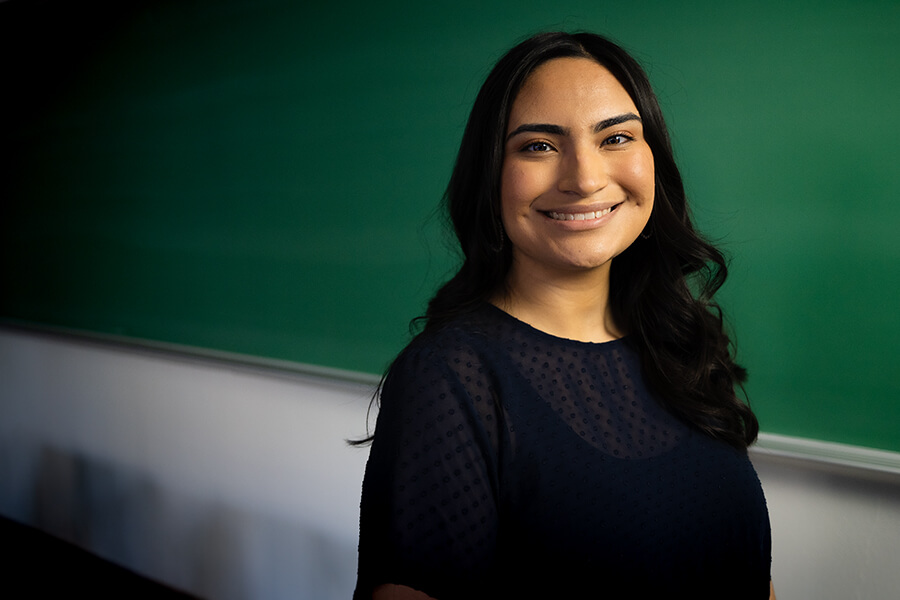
(585, 216)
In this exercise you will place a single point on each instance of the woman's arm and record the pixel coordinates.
(390, 591)
(428, 516)
(401, 592)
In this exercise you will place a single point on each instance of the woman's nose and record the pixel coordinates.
(583, 172)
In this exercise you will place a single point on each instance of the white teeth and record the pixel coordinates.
(579, 216)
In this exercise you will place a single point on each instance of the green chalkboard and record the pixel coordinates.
(262, 177)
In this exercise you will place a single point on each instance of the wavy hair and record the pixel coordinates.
(661, 287)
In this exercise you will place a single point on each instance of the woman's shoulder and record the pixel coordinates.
(473, 332)
(446, 374)
(467, 349)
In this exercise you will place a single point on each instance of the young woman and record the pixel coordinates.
(566, 424)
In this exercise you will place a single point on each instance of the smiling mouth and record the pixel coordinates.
(586, 216)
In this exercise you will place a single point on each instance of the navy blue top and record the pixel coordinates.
(511, 463)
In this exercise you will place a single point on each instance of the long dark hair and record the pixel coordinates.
(686, 355)
(661, 287)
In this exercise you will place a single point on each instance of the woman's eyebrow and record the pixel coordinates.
(615, 121)
(537, 128)
(557, 130)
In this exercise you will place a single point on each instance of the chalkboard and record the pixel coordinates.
(263, 177)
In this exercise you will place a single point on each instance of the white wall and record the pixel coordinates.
(835, 530)
(231, 482)
(227, 482)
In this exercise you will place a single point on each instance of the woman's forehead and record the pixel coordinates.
(570, 88)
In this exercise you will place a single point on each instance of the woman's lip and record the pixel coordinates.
(580, 214)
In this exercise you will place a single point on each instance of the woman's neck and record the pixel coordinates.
(572, 305)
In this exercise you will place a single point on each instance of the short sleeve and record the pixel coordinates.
(428, 517)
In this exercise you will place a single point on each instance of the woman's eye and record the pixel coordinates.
(616, 140)
(538, 147)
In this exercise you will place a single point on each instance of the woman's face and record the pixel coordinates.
(577, 183)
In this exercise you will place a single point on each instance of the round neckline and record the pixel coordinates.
(549, 336)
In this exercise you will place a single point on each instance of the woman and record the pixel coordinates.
(566, 424)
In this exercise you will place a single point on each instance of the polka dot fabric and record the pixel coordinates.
(508, 463)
